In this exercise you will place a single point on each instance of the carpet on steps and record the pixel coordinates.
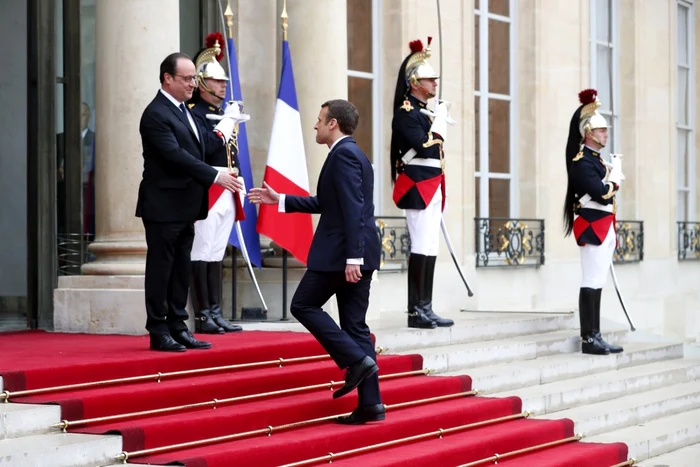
(41, 359)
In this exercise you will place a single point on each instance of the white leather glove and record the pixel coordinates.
(233, 111)
(615, 166)
(225, 129)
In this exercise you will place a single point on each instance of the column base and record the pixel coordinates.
(117, 258)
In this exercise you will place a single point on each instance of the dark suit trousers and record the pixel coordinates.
(167, 275)
(349, 343)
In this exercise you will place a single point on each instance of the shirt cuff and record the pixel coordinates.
(280, 205)
(216, 177)
(359, 261)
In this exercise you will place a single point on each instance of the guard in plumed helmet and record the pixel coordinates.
(212, 233)
(417, 173)
(589, 212)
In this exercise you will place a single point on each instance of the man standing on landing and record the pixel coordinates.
(417, 170)
(589, 212)
(344, 254)
(172, 196)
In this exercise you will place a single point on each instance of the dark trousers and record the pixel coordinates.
(167, 275)
(349, 343)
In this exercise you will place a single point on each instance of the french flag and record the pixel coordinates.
(285, 171)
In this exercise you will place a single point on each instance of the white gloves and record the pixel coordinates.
(615, 174)
(227, 122)
(441, 118)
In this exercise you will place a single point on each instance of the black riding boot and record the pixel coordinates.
(416, 295)
(587, 311)
(611, 348)
(214, 280)
(428, 287)
(203, 321)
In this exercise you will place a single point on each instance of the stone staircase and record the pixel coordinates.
(647, 397)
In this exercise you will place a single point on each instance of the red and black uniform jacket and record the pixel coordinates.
(415, 185)
(587, 175)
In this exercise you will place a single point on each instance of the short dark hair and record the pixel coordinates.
(169, 65)
(345, 113)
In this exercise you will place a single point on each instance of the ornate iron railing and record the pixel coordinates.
(395, 242)
(688, 240)
(630, 242)
(507, 242)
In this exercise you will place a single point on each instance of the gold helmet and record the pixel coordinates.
(207, 60)
(590, 119)
(417, 66)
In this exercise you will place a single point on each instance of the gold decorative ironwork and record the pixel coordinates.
(498, 457)
(630, 242)
(395, 241)
(509, 242)
(63, 425)
(688, 240)
(269, 430)
(440, 433)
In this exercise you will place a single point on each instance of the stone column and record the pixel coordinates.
(133, 37)
(318, 42)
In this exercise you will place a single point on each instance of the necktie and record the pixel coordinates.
(182, 107)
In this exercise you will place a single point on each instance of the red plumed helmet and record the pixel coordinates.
(587, 96)
(210, 41)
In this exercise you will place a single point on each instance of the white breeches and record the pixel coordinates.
(595, 261)
(424, 226)
(211, 234)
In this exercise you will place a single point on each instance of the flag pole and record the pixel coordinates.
(284, 18)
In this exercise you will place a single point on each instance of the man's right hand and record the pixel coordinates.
(264, 195)
(229, 182)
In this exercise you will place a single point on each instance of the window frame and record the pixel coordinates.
(484, 175)
(690, 176)
(375, 77)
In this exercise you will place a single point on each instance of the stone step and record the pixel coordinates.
(17, 420)
(684, 457)
(470, 327)
(60, 450)
(576, 392)
(497, 377)
(657, 437)
(634, 409)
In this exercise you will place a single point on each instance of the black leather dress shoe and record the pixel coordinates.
(355, 374)
(612, 348)
(165, 343)
(187, 339)
(362, 415)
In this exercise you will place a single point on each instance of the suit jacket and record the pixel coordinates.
(176, 179)
(344, 199)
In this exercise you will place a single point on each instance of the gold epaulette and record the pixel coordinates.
(578, 157)
(407, 106)
(190, 105)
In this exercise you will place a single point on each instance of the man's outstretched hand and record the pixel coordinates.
(264, 195)
(229, 182)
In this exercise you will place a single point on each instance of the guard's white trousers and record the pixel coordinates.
(424, 226)
(211, 234)
(595, 261)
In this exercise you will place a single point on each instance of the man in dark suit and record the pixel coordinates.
(343, 256)
(172, 196)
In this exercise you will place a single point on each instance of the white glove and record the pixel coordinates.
(615, 174)
(233, 111)
(225, 129)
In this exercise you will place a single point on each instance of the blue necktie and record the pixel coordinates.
(182, 108)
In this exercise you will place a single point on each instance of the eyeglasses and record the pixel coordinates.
(187, 79)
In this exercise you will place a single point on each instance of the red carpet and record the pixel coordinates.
(38, 359)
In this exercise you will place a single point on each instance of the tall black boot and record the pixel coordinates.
(596, 328)
(586, 311)
(203, 321)
(215, 279)
(428, 287)
(416, 294)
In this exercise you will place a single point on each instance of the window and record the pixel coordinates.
(605, 66)
(495, 108)
(363, 81)
(685, 155)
